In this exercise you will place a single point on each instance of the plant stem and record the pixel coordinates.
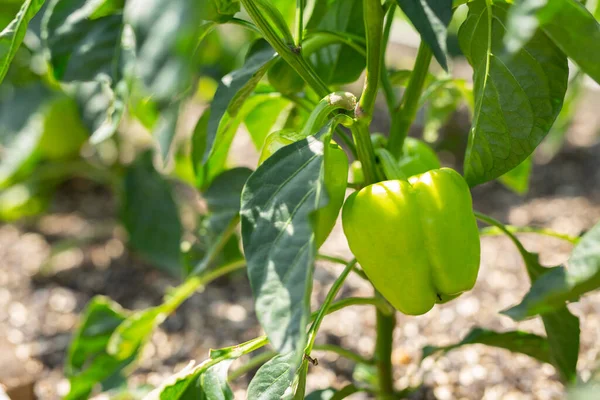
(330, 103)
(237, 352)
(378, 302)
(341, 261)
(364, 149)
(343, 352)
(494, 222)
(244, 24)
(404, 116)
(373, 20)
(388, 90)
(299, 22)
(383, 353)
(314, 328)
(493, 231)
(294, 59)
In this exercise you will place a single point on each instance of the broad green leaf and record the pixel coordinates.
(214, 382)
(431, 19)
(266, 118)
(277, 206)
(81, 48)
(516, 341)
(151, 216)
(202, 382)
(12, 35)
(233, 91)
(517, 179)
(167, 33)
(8, 11)
(517, 98)
(223, 198)
(219, 11)
(441, 98)
(21, 128)
(180, 386)
(561, 284)
(553, 142)
(25, 199)
(91, 52)
(223, 201)
(275, 378)
(191, 381)
(567, 22)
(101, 107)
(165, 129)
(107, 7)
(563, 332)
(87, 362)
(562, 327)
(338, 64)
(207, 169)
(36, 124)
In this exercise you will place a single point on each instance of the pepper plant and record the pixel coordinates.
(74, 69)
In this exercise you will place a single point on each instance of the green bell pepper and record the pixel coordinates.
(416, 240)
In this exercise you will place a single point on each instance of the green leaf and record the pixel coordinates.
(167, 33)
(207, 169)
(567, 22)
(219, 11)
(442, 98)
(233, 91)
(560, 284)
(562, 329)
(516, 341)
(151, 216)
(274, 379)
(101, 107)
(277, 206)
(35, 125)
(107, 7)
(87, 362)
(223, 198)
(165, 130)
(12, 36)
(190, 382)
(91, 52)
(201, 382)
(516, 98)
(431, 19)
(266, 118)
(338, 64)
(21, 128)
(517, 179)
(214, 382)
(81, 48)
